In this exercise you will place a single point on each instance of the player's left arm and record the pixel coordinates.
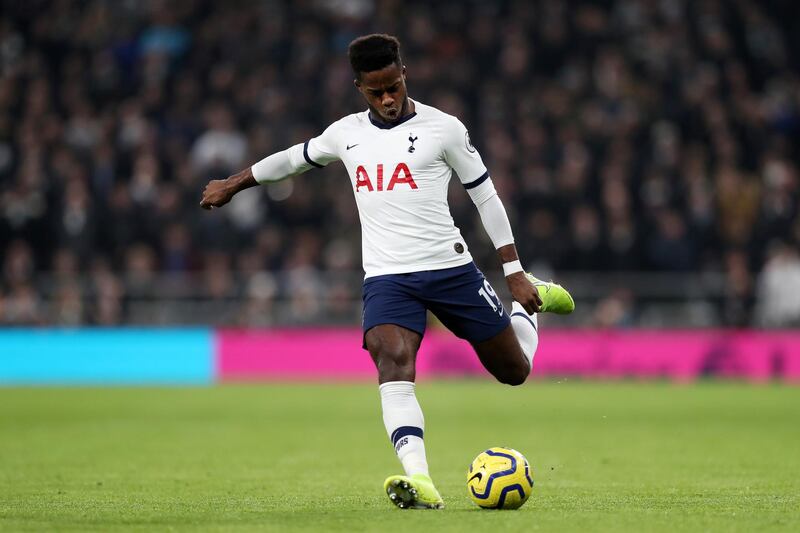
(467, 162)
(495, 221)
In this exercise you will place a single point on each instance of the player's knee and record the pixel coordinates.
(513, 374)
(395, 364)
(513, 379)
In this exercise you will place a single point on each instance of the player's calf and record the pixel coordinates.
(502, 356)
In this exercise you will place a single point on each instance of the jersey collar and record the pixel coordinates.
(378, 123)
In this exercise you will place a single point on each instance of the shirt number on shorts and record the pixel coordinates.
(491, 297)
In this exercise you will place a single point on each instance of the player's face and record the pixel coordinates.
(385, 91)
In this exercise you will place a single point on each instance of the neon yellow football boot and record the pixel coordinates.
(413, 492)
(555, 298)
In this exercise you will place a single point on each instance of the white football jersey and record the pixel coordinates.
(400, 175)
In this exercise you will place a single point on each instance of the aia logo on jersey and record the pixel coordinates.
(400, 176)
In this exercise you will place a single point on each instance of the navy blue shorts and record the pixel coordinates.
(460, 297)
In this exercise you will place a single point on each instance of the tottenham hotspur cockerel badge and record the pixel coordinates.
(411, 139)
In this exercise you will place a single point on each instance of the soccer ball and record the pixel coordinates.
(499, 478)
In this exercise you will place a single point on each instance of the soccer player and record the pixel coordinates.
(400, 155)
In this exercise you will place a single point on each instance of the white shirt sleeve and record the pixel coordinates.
(462, 156)
(314, 153)
(493, 214)
(324, 149)
(466, 161)
(280, 165)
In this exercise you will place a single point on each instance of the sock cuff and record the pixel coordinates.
(518, 310)
(516, 307)
(397, 386)
(527, 317)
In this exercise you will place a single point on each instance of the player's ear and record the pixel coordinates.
(404, 72)
(357, 83)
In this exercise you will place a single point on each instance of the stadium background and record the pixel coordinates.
(646, 151)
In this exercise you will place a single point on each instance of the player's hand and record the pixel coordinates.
(216, 194)
(523, 291)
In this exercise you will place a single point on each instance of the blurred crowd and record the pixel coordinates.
(623, 136)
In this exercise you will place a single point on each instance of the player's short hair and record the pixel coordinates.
(374, 52)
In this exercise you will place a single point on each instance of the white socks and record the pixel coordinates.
(404, 423)
(527, 329)
(402, 415)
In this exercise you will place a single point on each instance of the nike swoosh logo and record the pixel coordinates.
(546, 286)
(478, 475)
(351, 146)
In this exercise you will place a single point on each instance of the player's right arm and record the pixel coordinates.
(316, 152)
(219, 192)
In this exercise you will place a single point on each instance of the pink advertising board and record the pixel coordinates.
(336, 354)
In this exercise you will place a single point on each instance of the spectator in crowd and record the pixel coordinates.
(625, 135)
(781, 276)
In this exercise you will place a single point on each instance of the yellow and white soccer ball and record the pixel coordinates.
(499, 478)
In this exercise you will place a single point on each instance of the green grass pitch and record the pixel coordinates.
(605, 457)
